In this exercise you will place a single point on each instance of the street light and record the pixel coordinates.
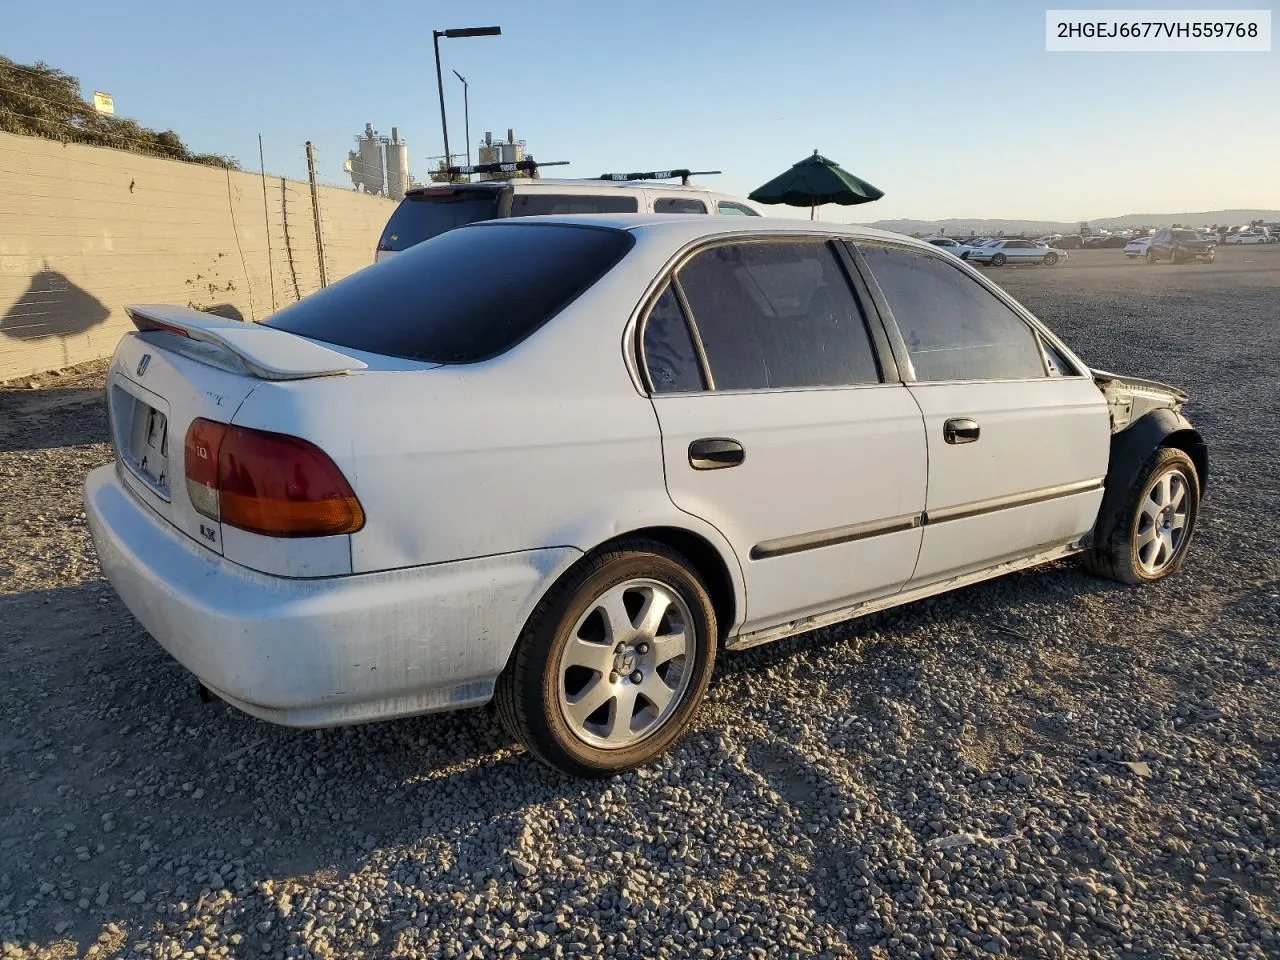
(466, 112)
(460, 32)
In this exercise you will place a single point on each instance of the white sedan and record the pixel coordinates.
(999, 252)
(1137, 247)
(561, 462)
(1246, 237)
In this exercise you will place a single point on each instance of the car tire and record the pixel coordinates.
(1151, 256)
(1167, 491)
(998, 260)
(555, 665)
(1050, 259)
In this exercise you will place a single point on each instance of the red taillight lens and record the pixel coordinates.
(268, 483)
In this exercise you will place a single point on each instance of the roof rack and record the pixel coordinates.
(529, 164)
(684, 175)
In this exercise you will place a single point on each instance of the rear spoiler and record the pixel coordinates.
(267, 353)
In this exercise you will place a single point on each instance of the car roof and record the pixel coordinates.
(549, 183)
(686, 227)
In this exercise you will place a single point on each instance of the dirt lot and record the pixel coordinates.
(1047, 765)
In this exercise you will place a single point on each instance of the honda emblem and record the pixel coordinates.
(142, 364)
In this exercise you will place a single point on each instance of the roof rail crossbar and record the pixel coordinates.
(529, 164)
(683, 174)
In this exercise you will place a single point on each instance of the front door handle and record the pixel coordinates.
(960, 430)
(715, 453)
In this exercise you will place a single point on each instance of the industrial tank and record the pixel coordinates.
(368, 162)
(397, 165)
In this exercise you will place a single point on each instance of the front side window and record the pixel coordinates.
(776, 314)
(954, 328)
(669, 354)
(678, 205)
(539, 204)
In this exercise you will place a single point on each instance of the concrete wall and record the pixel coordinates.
(85, 230)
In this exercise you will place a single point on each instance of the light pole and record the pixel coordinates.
(460, 32)
(466, 112)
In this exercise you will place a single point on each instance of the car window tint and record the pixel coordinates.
(539, 204)
(464, 296)
(777, 314)
(730, 209)
(669, 353)
(954, 328)
(678, 205)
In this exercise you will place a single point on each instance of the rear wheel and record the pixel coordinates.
(1154, 531)
(1151, 256)
(998, 260)
(613, 662)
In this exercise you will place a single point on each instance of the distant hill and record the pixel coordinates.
(964, 226)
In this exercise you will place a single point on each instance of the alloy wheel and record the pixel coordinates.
(1160, 530)
(627, 664)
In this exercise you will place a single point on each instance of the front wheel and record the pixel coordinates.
(1154, 531)
(1151, 256)
(998, 260)
(611, 667)
(1050, 259)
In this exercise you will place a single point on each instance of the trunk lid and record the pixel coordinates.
(183, 364)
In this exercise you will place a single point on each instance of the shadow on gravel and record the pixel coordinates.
(201, 798)
(51, 418)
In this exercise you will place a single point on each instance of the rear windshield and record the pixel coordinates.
(421, 217)
(464, 296)
(1185, 235)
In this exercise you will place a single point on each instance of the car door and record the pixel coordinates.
(1018, 434)
(784, 426)
(1019, 251)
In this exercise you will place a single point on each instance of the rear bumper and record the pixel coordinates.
(318, 652)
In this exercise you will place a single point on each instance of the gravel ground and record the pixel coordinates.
(1046, 765)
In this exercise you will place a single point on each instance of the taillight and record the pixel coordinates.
(200, 456)
(268, 483)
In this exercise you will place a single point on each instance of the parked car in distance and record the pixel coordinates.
(954, 247)
(1248, 237)
(1137, 247)
(999, 252)
(1071, 242)
(428, 211)
(1179, 246)
(1111, 241)
(393, 497)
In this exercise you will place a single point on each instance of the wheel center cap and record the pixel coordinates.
(624, 661)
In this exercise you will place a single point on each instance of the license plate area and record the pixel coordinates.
(141, 426)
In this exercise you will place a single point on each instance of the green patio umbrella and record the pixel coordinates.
(814, 181)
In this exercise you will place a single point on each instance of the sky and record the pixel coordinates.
(953, 109)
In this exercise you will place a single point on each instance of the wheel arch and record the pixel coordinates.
(1130, 449)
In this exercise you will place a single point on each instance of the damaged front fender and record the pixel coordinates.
(1129, 399)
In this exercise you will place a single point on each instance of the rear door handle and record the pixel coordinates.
(715, 453)
(960, 430)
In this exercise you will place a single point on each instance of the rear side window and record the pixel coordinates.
(777, 314)
(464, 296)
(678, 205)
(423, 216)
(954, 328)
(539, 204)
(669, 353)
(727, 208)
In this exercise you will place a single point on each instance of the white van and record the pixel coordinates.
(428, 211)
